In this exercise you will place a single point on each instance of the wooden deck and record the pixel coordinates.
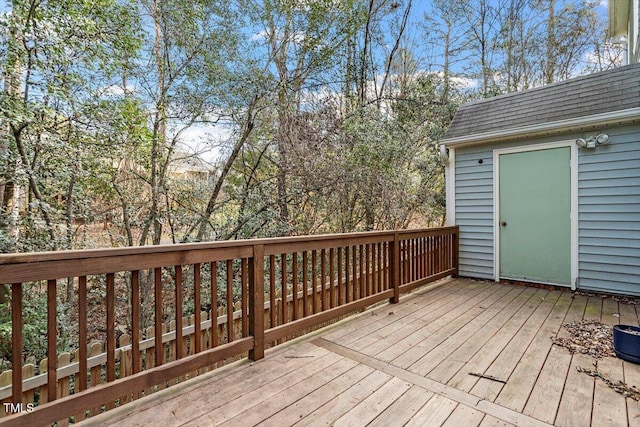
(409, 364)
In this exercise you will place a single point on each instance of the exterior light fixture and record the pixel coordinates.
(592, 141)
(444, 155)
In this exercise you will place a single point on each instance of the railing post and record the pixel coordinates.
(17, 342)
(455, 250)
(256, 302)
(395, 269)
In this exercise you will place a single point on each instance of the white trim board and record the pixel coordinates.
(574, 201)
(450, 187)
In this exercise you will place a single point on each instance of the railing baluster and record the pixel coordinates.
(81, 382)
(380, 268)
(159, 348)
(347, 272)
(323, 280)
(305, 283)
(213, 284)
(340, 282)
(367, 266)
(52, 335)
(111, 328)
(361, 270)
(314, 279)
(272, 290)
(283, 288)
(178, 310)
(229, 301)
(244, 282)
(135, 320)
(197, 307)
(16, 343)
(294, 286)
(332, 279)
(354, 274)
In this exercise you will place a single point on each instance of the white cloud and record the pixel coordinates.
(206, 140)
(118, 90)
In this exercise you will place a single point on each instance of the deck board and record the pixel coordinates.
(434, 413)
(507, 304)
(425, 355)
(497, 334)
(512, 352)
(367, 410)
(404, 408)
(464, 416)
(340, 404)
(319, 397)
(520, 385)
(411, 367)
(426, 337)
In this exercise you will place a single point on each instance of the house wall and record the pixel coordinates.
(608, 210)
(609, 214)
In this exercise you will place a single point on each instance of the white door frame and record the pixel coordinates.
(573, 164)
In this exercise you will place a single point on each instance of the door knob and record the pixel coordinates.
(503, 223)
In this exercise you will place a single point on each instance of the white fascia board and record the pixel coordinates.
(548, 129)
(618, 17)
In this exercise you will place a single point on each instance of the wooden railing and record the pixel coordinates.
(282, 287)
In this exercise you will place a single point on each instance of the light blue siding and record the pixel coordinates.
(609, 214)
(608, 210)
(474, 211)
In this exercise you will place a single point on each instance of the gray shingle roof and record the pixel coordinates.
(603, 92)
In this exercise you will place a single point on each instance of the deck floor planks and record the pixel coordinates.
(515, 393)
(415, 308)
(628, 315)
(328, 413)
(433, 413)
(303, 407)
(512, 352)
(464, 416)
(576, 404)
(480, 351)
(510, 302)
(545, 397)
(632, 378)
(352, 330)
(272, 398)
(399, 328)
(608, 408)
(367, 410)
(451, 324)
(437, 329)
(577, 397)
(610, 312)
(226, 384)
(404, 408)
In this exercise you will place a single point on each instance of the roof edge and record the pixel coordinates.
(548, 128)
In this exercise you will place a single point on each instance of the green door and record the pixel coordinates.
(534, 221)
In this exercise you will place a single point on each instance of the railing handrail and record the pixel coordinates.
(42, 265)
(75, 254)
